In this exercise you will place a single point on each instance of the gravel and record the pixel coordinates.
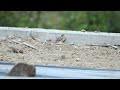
(59, 54)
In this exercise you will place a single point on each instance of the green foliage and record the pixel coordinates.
(73, 20)
(19, 18)
(105, 21)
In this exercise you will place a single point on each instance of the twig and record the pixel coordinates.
(34, 38)
(61, 38)
(29, 45)
(25, 44)
(113, 46)
(16, 41)
(99, 45)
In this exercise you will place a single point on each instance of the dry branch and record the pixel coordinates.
(25, 44)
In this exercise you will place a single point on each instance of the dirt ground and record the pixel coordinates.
(58, 54)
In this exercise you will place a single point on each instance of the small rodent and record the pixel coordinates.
(22, 69)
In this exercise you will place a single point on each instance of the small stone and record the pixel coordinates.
(77, 60)
(63, 57)
(1, 60)
(20, 51)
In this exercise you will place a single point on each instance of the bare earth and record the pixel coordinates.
(59, 54)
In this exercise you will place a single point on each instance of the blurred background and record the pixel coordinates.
(104, 21)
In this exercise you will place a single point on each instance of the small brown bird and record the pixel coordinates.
(22, 69)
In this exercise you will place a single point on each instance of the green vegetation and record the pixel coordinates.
(104, 21)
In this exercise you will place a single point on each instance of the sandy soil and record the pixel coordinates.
(59, 54)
